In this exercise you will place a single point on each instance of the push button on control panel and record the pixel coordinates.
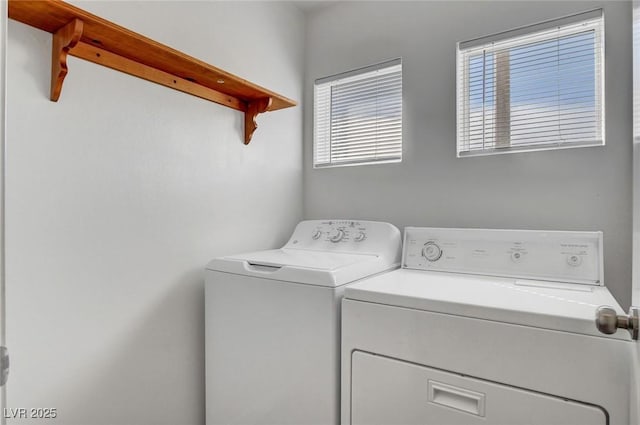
(574, 260)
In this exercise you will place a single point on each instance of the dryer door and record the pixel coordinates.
(388, 391)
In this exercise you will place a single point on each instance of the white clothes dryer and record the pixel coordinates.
(272, 322)
(485, 327)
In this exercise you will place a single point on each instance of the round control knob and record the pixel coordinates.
(336, 235)
(574, 260)
(360, 237)
(516, 257)
(316, 234)
(431, 251)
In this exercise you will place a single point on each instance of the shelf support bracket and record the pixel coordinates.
(254, 108)
(64, 40)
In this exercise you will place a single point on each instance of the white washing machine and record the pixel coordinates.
(485, 327)
(272, 322)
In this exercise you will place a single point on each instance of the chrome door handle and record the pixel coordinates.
(608, 321)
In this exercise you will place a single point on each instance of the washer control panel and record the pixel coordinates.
(356, 236)
(340, 231)
(568, 257)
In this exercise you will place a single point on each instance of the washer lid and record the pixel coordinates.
(303, 266)
(548, 305)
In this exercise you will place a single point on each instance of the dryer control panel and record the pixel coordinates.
(567, 257)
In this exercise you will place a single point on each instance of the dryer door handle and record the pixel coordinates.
(457, 398)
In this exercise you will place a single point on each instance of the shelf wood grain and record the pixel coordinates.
(89, 37)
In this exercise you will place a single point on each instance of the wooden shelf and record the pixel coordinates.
(86, 36)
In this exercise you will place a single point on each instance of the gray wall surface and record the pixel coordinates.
(574, 189)
(120, 193)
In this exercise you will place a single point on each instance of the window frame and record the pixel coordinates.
(507, 40)
(352, 75)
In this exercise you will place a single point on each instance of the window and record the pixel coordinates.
(533, 88)
(357, 116)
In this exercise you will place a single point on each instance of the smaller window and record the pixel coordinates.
(357, 116)
(533, 88)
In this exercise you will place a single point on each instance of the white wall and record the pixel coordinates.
(576, 189)
(121, 192)
(636, 153)
(3, 86)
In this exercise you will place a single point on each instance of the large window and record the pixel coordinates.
(533, 88)
(357, 116)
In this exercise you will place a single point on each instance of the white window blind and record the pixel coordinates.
(357, 116)
(533, 88)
